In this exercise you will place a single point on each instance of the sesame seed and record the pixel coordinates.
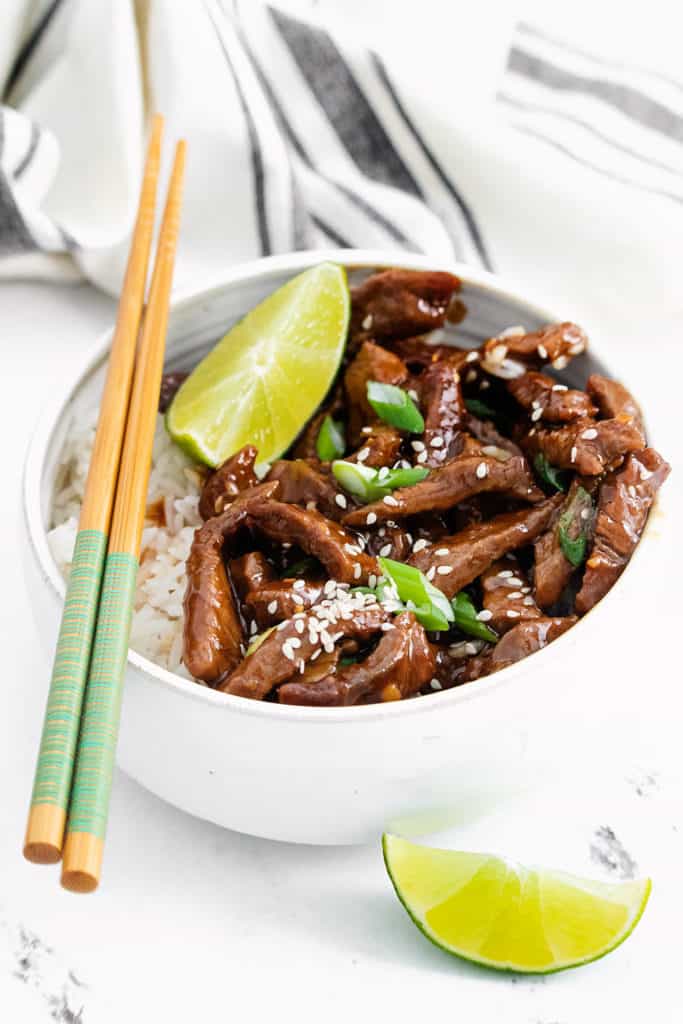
(298, 584)
(585, 512)
(316, 654)
(422, 457)
(367, 322)
(430, 574)
(470, 376)
(272, 607)
(514, 595)
(330, 587)
(535, 404)
(299, 625)
(514, 581)
(472, 357)
(421, 544)
(589, 434)
(482, 470)
(435, 684)
(542, 351)
(631, 490)
(294, 641)
(390, 500)
(573, 454)
(413, 394)
(484, 385)
(417, 446)
(253, 628)
(505, 574)
(283, 625)
(497, 353)
(366, 430)
(372, 581)
(536, 415)
(512, 613)
(328, 646)
(302, 666)
(526, 590)
(484, 615)
(436, 442)
(357, 571)
(385, 550)
(560, 362)
(371, 518)
(444, 570)
(381, 532)
(362, 455)
(532, 431)
(528, 601)
(440, 551)
(340, 500)
(559, 387)
(287, 650)
(383, 473)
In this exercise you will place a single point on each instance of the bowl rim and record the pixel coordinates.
(271, 266)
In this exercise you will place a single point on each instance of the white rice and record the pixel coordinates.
(157, 624)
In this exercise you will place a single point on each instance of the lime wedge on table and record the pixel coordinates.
(267, 376)
(502, 915)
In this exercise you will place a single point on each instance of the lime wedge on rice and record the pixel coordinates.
(267, 376)
(502, 915)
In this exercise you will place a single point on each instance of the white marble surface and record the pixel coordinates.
(196, 923)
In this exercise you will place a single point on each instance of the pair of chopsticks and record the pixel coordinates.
(70, 801)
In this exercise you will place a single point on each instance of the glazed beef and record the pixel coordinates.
(552, 568)
(337, 549)
(444, 413)
(212, 638)
(303, 484)
(555, 344)
(521, 641)
(402, 662)
(295, 643)
(250, 570)
(275, 600)
(400, 303)
(454, 562)
(446, 487)
(588, 446)
(380, 446)
(613, 400)
(624, 500)
(390, 542)
(222, 486)
(170, 383)
(506, 594)
(371, 363)
(490, 437)
(419, 353)
(545, 399)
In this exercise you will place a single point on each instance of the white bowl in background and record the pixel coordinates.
(331, 775)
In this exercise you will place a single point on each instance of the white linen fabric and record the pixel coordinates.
(571, 176)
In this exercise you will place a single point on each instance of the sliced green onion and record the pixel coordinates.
(330, 443)
(479, 408)
(465, 617)
(257, 640)
(395, 406)
(300, 568)
(344, 662)
(574, 548)
(550, 474)
(430, 605)
(372, 484)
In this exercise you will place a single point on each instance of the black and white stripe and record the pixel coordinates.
(624, 123)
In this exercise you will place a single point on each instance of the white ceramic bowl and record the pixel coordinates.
(329, 775)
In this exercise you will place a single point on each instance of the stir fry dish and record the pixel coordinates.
(443, 514)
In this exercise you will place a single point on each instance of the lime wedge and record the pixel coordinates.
(502, 915)
(267, 376)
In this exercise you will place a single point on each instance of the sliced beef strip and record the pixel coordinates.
(232, 477)
(212, 636)
(390, 542)
(275, 600)
(443, 488)
(545, 399)
(613, 399)
(521, 641)
(552, 570)
(400, 303)
(305, 484)
(380, 447)
(555, 344)
(589, 446)
(371, 363)
(402, 662)
(419, 353)
(250, 570)
(170, 383)
(507, 595)
(444, 412)
(488, 435)
(337, 549)
(290, 646)
(624, 500)
(458, 560)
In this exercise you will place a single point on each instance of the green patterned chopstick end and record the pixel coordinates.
(62, 716)
(89, 806)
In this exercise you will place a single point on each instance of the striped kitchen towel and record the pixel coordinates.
(300, 138)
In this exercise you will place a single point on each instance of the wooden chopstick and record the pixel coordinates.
(54, 768)
(89, 805)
